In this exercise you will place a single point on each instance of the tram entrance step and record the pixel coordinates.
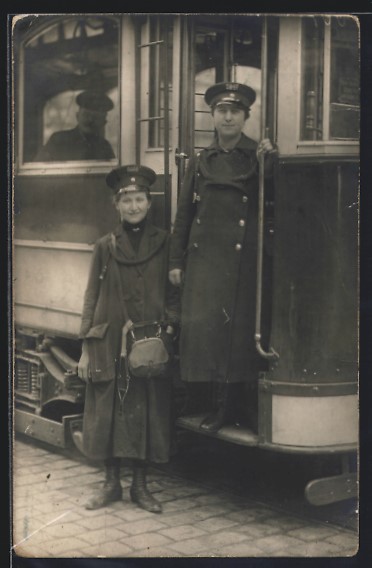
(230, 433)
(332, 489)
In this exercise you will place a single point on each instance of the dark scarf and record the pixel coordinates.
(135, 232)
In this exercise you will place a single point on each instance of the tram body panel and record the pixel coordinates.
(314, 309)
(314, 421)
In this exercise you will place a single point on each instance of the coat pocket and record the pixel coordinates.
(97, 331)
(101, 353)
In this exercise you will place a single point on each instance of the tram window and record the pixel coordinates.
(72, 56)
(240, 43)
(158, 80)
(330, 79)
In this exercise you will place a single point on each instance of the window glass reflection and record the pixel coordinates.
(344, 96)
(71, 96)
(330, 101)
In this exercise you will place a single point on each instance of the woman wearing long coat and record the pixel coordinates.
(214, 250)
(132, 262)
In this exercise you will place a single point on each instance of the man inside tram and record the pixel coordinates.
(85, 141)
(214, 257)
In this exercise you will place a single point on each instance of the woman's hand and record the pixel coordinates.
(266, 147)
(83, 365)
(176, 276)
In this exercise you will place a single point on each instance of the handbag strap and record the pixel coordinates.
(118, 282)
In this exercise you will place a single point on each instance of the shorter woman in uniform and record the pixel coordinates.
(126, 419)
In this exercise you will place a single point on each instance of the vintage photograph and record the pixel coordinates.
(185, 199)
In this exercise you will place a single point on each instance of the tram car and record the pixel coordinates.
(155, 70)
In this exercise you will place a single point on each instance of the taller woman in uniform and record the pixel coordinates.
(214, 254)
(126, 418)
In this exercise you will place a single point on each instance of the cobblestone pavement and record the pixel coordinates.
(49, 518)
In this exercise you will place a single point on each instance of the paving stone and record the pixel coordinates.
(241, 549)
(59, 507)
(258, 530)
(269, 544)
(62, 546)
(60, 530)
(224, 501)
(155, 552)
(182, 532)
(131, 513)
(112, 549)
(99, 521)
(146, 541)
(260, 513)
(313, 533)
(103, 535)
(207, 542)
(316, 549)
(179, 492)
(286, 523)
(244, 516)
(216, 524)
(189, 517)
(343, 540)
(145, 525)
(181, 504)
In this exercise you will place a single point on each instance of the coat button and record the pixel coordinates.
(244, 199)
(238, 246)
(198, 221)
(195, 245)
(241, 223)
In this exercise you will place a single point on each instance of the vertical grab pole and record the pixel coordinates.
(261, 193)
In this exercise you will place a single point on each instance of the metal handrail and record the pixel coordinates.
(271, 354)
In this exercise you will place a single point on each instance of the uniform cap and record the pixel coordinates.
(94, 100)
(230, 93)
(131, 178)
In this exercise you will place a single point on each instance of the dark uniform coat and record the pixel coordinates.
(73, 145)
(142, 429)
(215, 241)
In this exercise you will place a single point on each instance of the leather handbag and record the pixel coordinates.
(148, 357)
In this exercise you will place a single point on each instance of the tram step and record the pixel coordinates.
(332, 489)
(230, 433)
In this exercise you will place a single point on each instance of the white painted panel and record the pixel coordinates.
(314, 421)
(49, 284)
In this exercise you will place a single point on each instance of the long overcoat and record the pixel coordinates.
(141, 427)
(215, 242)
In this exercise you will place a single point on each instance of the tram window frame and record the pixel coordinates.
(291, 102)
(151, 117)
(43, 26)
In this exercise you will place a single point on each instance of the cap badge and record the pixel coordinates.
(232, 86)
(132, 179)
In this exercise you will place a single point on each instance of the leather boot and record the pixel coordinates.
(111, 489)
(139, 492)
(224, 413)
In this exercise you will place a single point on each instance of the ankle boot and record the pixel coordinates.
(224, 413)
(111, 489)
(139, 492)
